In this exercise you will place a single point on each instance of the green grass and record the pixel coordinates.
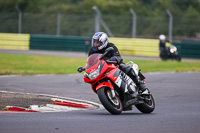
(34, 64)
(16, 64)
(167, 66)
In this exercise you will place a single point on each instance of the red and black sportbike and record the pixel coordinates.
(112, 85)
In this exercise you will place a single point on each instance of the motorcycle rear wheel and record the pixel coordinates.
(112, 105)
(148, 106)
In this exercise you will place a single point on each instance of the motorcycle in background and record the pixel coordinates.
(112, 85)
(170, 53)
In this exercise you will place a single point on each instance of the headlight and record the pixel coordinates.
(172, 50)
(94, 74)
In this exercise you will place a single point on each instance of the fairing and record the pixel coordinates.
(92, 60)
(106, 70)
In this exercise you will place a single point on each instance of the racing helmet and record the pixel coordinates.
(162, 37)
(101, 38)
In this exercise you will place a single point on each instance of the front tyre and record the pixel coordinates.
(148, 106)
(113, 105)
(178, 58)
(163, 56)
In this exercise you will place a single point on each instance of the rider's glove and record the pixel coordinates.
(114, 59)
(80, 69)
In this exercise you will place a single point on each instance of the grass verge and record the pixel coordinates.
(14, 64)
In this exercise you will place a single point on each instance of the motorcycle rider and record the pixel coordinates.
(100, 43)
(162, 46)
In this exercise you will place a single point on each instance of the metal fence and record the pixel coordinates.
(84, 25)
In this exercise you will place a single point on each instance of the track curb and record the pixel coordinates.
(58, 104)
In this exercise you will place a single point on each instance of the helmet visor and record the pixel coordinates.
(96, 43)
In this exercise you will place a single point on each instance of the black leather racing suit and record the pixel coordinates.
(115, 53)
(126, 69)
(162, 47)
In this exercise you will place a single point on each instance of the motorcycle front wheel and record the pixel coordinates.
(178, 58)
(112, 105)
(163, 56)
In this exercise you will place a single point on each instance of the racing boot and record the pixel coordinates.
(140, 84)
(142, 88)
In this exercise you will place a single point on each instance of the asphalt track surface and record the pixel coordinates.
(177, 97)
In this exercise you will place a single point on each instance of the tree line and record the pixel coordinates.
(185, 12)
(183, 8)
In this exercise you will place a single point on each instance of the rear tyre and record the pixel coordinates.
(148, 106)
(112, 105)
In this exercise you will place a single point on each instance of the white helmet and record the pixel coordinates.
(101, 37)
(162, 37)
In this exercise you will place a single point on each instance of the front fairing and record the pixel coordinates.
(99, 67)
(173, 50)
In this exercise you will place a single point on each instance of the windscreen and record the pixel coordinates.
(92, 60)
